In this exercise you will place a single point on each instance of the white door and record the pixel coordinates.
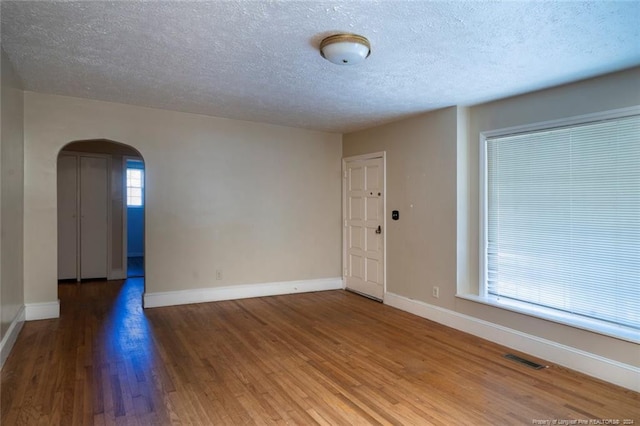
(67, 217)
(364, 226)
(93, 216)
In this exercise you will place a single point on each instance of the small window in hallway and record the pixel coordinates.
(135, 184)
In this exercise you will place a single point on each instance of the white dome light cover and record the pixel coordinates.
(345, 49)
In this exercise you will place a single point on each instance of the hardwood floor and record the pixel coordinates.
(326, 358)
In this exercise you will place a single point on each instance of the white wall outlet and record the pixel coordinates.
(436, 292)
(218, 274)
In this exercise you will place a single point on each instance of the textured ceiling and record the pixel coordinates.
(258, 60)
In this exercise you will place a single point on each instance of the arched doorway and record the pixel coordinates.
(93, 198)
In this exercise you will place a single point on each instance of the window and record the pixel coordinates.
(562, 223)
(135, 185)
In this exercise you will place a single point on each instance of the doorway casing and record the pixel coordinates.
(113, 150)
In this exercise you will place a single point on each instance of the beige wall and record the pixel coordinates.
(432, 178)
(421, 184)
(260, 202)
(11, 197)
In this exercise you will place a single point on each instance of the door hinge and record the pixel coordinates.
(345, 223)
(344, 174)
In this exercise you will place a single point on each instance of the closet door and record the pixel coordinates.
(67, 217)
(93, 216)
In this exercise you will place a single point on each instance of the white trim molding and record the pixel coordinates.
(40, 311)
(11, 336)
(215, 294)
(612, 371)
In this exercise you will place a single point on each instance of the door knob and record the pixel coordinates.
(379, 230)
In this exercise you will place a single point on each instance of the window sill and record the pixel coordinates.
(577, 321)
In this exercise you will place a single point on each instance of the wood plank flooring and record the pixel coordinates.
(328, 358)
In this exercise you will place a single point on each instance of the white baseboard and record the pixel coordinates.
(214, 294)
(612, 371)
(11, 336)
(40, 311)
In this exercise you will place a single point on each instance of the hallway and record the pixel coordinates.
(135, 267)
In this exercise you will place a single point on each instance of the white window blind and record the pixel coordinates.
(563, 219)
(135, 183)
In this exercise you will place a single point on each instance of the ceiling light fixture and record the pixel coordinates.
(345, 49)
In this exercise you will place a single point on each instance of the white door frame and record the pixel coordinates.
(125, 228)
(345, 160)
(76, 207)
